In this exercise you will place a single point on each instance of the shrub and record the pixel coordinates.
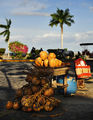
(18, 47)
(34, 53)
(2, 51)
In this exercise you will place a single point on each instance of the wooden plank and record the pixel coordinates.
(60, 71)
(62, 87)
(65, 83)
(55, 84)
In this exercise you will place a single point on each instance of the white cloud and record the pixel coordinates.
(12, 38)
(15, 37)
(91, 8)
(25, 7)
(29, 8)
(31, 14)
(49, 35)
(32, 4)
(84, 36)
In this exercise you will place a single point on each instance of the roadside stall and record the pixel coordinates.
(47, 75)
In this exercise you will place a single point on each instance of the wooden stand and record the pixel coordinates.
(57, 72)
(60, 71)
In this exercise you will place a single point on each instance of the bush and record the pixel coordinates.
(18, 47)
(34, 53)
(2, 51)
(19, 50)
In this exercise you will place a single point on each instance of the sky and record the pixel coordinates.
(30, 23)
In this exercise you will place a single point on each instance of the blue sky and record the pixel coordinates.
(30, 23)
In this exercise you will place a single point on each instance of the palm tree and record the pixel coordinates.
(6, 32)
(61, 17)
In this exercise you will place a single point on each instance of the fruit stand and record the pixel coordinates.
(38, 93)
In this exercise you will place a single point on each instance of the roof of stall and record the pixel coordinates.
(85, 44)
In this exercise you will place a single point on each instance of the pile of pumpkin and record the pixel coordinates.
(48, 60)
(37, 95)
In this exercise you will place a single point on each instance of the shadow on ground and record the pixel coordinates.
(76, 107)
(71, 108)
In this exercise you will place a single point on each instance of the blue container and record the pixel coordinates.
(71, 81)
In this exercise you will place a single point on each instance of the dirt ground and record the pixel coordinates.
(77, 107)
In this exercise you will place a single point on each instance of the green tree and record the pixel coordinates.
(61, 17)
(6, 32)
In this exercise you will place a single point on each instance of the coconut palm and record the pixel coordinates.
(6, 32)
(61, 17)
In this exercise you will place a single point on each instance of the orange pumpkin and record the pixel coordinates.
(9, 105)
(60, 63)
(26, 101)
(38, 61)
(42, 63)
(52, 62)
(41, 100)
(16, 105)
(43, 81)
(35, 80)
(49, 92)
(51, 55)
(46, 62)
(36, 107)
(19, 92)
(43, 55)
(35, 88)
(48, 106)
(56, 62)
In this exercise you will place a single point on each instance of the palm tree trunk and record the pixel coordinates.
(61, 36)
(8, 48)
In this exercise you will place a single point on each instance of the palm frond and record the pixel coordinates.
(7, 37)
(3, 26)
(59, 12)
(70, 16)
(68, 23)
(10, 22)
(7, 21)
(6, 32)
(66, 14)
(2, 33)
(53, 22)
(67, 10)
(55, 17)
(71, 20)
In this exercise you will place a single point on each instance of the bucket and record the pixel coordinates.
(72, 84)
